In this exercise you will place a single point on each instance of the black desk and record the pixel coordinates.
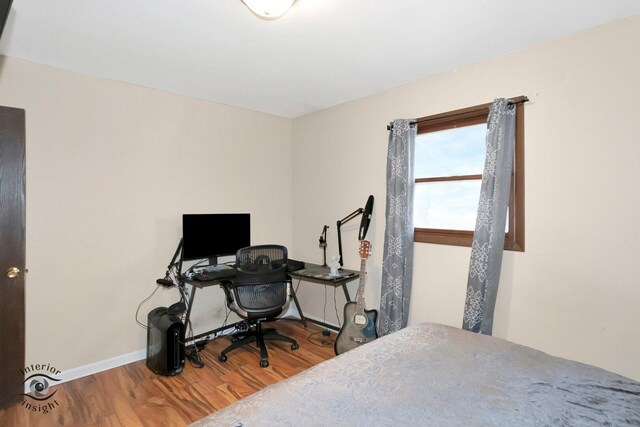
(318, 274)
(200, 284)
(311, 273)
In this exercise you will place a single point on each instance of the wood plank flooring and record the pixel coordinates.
(132, 395)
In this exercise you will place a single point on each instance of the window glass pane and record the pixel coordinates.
(450, 205)
(451, 152)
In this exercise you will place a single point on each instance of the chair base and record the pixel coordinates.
(259, 336)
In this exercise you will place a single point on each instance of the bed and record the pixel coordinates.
(432, 374)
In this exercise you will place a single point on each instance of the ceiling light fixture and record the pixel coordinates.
(269, 9)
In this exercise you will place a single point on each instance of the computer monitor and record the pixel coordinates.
(214, 235)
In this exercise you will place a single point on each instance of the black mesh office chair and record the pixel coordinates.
(258, 294)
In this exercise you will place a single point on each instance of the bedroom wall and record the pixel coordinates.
(575, 292)
(111, 167)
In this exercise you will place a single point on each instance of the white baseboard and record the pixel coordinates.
(292, 313)
(335, 325)
(94, 368)
(114, 362)
(103, 365)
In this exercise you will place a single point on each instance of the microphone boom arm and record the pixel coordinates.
(339, 224)
(323, 245)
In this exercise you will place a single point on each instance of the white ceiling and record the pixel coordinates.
(322, 53)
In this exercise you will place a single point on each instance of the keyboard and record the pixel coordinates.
(205, 276)
(214, 268)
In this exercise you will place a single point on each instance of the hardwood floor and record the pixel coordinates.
(132, 395)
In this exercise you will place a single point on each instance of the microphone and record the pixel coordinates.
(366, 218)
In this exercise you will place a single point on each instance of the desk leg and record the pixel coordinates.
(295, 299)
(346, 292)
(187, 317)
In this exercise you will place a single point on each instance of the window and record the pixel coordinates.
(449, 158)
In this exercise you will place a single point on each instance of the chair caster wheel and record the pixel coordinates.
(294, 346)
(222, 358)
(264, 363)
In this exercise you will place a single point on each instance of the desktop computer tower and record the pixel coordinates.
(165, 342)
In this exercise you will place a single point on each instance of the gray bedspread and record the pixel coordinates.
(435, 375)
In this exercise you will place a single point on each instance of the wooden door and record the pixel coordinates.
(12, 254)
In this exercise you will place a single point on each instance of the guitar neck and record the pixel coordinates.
(360, 293)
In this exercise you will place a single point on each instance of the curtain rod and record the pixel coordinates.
(411, 123)
(516, 100)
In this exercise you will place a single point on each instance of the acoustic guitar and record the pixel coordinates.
(359, 324)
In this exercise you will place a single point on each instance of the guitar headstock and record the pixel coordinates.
(365, 249)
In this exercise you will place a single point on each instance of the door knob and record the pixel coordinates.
(13, 272)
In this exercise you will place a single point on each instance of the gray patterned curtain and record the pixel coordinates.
(397, 264)
(488, 238)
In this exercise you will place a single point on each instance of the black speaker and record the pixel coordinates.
(165, 342)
